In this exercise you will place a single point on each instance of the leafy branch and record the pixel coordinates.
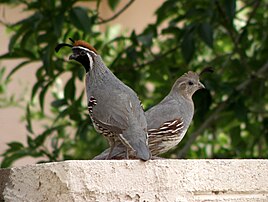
(228, 25)
(255, 8)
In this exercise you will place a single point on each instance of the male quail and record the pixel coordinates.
(114, 108)
(169, 120)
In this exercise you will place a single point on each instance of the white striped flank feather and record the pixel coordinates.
(173, 126)
(103, 128)
(166, 137)
(92, 102)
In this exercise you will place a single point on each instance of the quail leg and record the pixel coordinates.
(112, 144)
(127, 157)
(127, 145)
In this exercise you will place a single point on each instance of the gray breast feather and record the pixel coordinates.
(116, 109)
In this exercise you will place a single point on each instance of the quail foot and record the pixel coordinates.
(114, 108)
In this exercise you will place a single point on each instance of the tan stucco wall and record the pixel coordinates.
(134, 180)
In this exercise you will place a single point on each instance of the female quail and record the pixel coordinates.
(169, 120)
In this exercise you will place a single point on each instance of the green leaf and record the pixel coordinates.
(59, 103)
(80, 73)
(165, 11)
(29, 119)
(20, 53)
(40, 74)
(9, 159)
(235, 136)
(132, 53)
(26, 39)
(134, 37)
(14, 39)
(62, 114)
(42, 95)
(230, 6)
(205, 32)
(188, 47)
(79, 18)
(69, 90)
(58, 24)
(47, 60)
(83, 130)
(241, 110)
(30, 142)
(113, 4)
(146, 39)
(172, 30)
(40, 139)
(2, 72)
(254, 128)
(14, 146)
(35, 88)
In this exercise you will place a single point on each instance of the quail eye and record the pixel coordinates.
(83, 53)
(190, 83)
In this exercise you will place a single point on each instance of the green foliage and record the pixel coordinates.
(230, 35)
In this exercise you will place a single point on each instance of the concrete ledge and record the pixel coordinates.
(134, 180)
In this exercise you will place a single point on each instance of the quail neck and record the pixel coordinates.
(99, 73)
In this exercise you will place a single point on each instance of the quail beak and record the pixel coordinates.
(201, 86)
(73, 56)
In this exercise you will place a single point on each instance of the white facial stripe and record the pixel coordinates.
(86, 49)
(90, 60)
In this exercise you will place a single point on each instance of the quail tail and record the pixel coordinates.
(135, 139)
(142, 151)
